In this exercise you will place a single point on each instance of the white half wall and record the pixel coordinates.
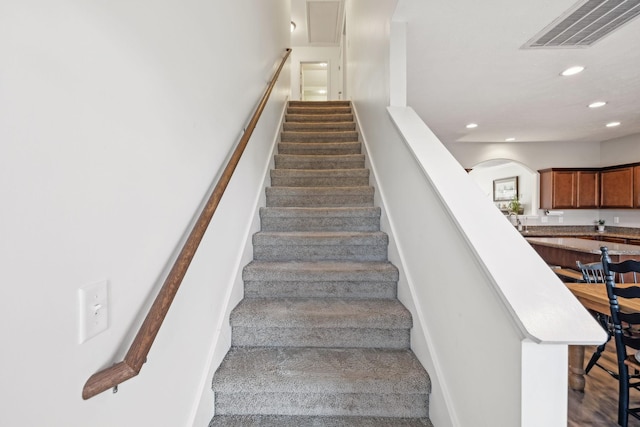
(115, 120)
(461, 292)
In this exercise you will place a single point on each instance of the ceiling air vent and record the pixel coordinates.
(586, 23)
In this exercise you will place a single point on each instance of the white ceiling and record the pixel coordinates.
(318, 22)
(466, 64)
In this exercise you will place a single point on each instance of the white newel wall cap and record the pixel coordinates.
(540, 304)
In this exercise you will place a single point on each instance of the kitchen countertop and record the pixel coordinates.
(581, 231)
(584, 245)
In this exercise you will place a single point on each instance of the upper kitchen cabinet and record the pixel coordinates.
(636, 186)
(617, 185)
(562, 188)
(588, 190)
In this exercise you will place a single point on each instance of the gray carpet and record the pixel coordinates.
(320, 338)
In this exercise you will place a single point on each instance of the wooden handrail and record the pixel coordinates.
(139, 349)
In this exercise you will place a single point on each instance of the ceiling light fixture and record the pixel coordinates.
(597, 104)
(613, 124)
(572, 70)
(471, 126)
(511, 139)
(293, 26)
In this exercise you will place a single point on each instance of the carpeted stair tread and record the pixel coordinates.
(298, 161)
(308, 148)
(347, 125)
(370, 211)
(321, 381)
(321, 322)
(315, 421)
(324, 136)
(308, 110)
(320, 270)
(319, 370)
(318, 246)
(325, 279)
(359, 196)
(299, 118)
(320, 103)
(320, 219)
(319, 177)
(320, 238)
(321, 313)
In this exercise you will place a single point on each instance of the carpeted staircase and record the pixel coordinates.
(320, 338)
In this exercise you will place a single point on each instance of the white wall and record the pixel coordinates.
(620, 151)
(527, 183)
(535, 155)
(331, 55)
(115, 118)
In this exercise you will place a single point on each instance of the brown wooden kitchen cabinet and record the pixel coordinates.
(563, 188)
(617, 187)
(636, 187)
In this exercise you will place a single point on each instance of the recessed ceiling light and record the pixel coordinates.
(511, 139)
(471, 125)
(572, 70)
(293, 26)
(613, 124)
(597, 104)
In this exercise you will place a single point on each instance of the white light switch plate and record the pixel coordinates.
(93, 310)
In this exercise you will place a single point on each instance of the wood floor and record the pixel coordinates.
(598, 405)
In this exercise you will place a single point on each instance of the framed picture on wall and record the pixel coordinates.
(505, 189)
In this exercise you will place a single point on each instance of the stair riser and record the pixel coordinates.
(312, 273)
(319, 219)
(320, 239)
(319, 178)
(320, 253)
(331, 404)
(314, 421)
(313, 289)
(298, 181)
(320, 224)
(307, 149)
(319, 162)
(314, 118)
(320, 337)
(319, 197)
(319, 126)
(319, 201)
(319, 137)
(318, 110)
(315, 103)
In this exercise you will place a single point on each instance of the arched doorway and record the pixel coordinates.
(488, 172)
